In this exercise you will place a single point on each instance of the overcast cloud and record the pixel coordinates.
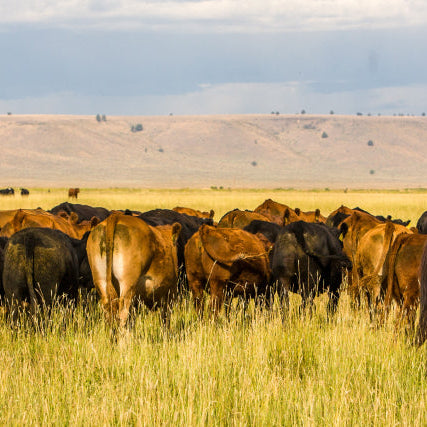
(215, 56)
(218, 15)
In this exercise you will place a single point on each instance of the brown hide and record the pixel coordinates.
(225, 259)
(240, 219)
(403, 273)
(274, 211)
(370, 259)
(39, 218)
(194, 212)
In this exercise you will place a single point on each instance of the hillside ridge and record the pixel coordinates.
(239, 151)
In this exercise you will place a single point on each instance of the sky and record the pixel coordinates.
(159, 57)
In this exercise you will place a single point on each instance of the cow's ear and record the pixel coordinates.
(317, 215)
(298, 211)
(176, 229)
(286, 216)
(94, 221)
(343, 230)
(73, 218)
(211, 213)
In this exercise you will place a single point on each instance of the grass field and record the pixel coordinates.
(254, 368)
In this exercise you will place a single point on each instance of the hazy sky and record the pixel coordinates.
(148, 57)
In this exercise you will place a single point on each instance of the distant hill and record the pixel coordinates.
(264, 151)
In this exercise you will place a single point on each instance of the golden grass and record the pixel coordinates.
(400, 204)
(254, 368)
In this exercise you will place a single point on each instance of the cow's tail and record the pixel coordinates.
(390, 271)
(372, 283)
(422, 326)
(30, 244)
(109, 249)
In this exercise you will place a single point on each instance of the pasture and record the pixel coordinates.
(254, 368)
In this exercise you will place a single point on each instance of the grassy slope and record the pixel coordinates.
(245, 370)
(201, 151)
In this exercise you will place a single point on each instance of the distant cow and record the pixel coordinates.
(73, 192)
(24, 192)
(7, 192)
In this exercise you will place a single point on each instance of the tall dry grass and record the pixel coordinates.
(256, 367)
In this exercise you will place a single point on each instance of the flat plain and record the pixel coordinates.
(256, 367)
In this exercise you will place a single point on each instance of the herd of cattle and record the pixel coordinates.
(152, 256)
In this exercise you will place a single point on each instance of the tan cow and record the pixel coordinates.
(131, 260)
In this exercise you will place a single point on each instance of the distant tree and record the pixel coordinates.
(136, 128)
(370, 143)
(160, 150)
(104, 119)
(359, 114)
(302, 111)
(98, 118)
(369, 114)
(324, 135)
(254, 163)
(9, 113)
(331, 112)
(423, 114)
(371, 171)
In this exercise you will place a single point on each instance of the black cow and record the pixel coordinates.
(7, 191)
(189, 225)
(422, 223)
(269, 229)
(84, 212)
(41, 263)
(308, 259)
(24, 192)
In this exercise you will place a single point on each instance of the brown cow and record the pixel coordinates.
(131, 260)
(73, 193)
(369, 261)
(194, 212)
(284, 215)
(402, 275)
(39, 218)
(240, 219)
(274, 211)
(225, 259)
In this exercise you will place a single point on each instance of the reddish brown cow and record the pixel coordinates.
(240, 219)
(403, 275)
(73, 193)
(225, 259)
(194, 212)
(284, 215)
(370, 260)
(39, 218)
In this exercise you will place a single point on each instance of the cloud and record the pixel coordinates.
(246, 16)
(233, 98)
